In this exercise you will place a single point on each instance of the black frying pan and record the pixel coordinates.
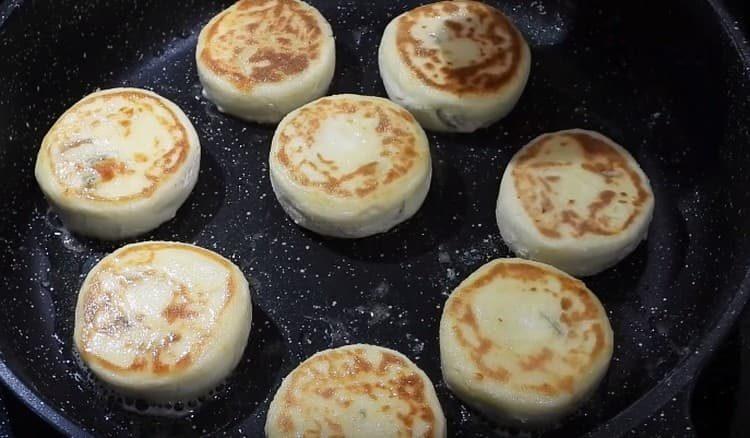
(667, 79)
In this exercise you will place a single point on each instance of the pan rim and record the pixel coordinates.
(676, 382)
(34, 402)
(681, 378)
(7, 7)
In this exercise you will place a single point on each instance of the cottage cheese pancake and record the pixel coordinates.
(260, 59)
(357, 391)
(119, 163)
(576, 200)
(350, 166)
(456, 65)
(523, 342)
(163, 321)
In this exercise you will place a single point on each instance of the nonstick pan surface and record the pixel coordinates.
(666, 79)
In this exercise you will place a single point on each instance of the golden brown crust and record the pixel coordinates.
(556, 218)
(346, 374)
(501, 48)
(102, 315)
(262, 41)
(172, 157)
(398, 149)
(581, 318)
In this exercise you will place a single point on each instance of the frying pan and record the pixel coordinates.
(667, 79)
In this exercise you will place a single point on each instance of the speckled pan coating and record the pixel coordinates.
(675, 292)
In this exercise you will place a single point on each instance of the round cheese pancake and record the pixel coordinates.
(456, 65)
(260, 59)
(576, 200)
(523, 342)
(119, 163)
(163, 321)
(350, 166)
(357, 391)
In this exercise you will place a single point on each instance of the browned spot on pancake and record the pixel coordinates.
(565, 303)
(449, 7)
(580, 315)
(184, 361)
(141, 363)
(499, 43)
(109, 168)
(543, 388)
(481, 347)
(406, 115)
(336, 430)
(345, 374)
(395, 130)
(262, 41)
(566, 384)
(170, 158)
(138, 364)
(103, 315)
(454, 26)
(276, 66)
(126, 125)
(180, 307)
(285, 423)
(535, 361)
(598, 333)
(553, 212)
(325, 392)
